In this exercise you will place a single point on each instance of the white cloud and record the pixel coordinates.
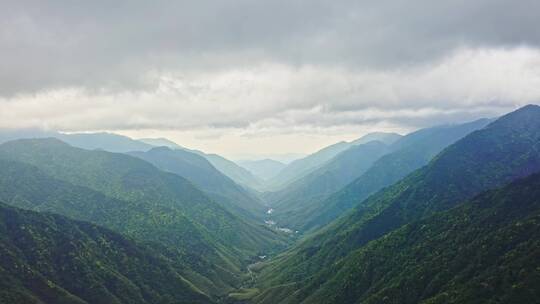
(280, 97)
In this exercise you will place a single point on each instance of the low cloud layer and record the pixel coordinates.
(250, 69)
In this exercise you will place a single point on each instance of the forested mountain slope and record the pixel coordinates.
(297, 203)
(235, 172)
(198, 254)
(49, 259)
(121, 144)
(487, 250)
(302, 167)
(238, 174)
(505, 150)
(408, 154)
(145, 202)
(200, 172)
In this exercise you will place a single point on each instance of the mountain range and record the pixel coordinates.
(202, 174)
(122, 144)
(293, 204)
(133, 197)
(302, 167)
(445, 214)
(406, 155)
(349, 177)
(483, 251)
(48, 258)
(505, 150)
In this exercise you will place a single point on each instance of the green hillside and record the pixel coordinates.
(304, 166)
(507, 149)
(487, 250)
(49, 259)
(199, 254)
(448, 214)
(202, 174)
(298, 203)
(408, 154)
(132, 196)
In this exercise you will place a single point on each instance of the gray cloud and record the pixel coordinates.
(121, 45)
(469, 83)
(281, 73)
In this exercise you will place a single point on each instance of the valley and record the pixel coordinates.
(269, 152)
(232, 244)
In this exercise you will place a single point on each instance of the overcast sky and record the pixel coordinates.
(263, 77)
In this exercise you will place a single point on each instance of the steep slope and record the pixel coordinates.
(505, 150)
(294, 205)
(487, 250)
(264, 169)
(121, 144)
(50, 259)
(235, 172)
(200, 172)
(238, 174)
(171, 210)
(409, 153)
(302, 167)
(197, 253)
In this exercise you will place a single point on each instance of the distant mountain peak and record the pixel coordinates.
(530, 107)
(385, 137)
(524, 115)
(161, 142)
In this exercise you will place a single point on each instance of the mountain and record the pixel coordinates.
(240, 175)
(235, 172)
(302, 167)
(47, 258)
(298, 202)
(148, 204)
(117, 143)
(264, 169)
(202, 174)
(161, 142)
(386, 138)
(121, 144)
(408, 154)
(505, 150)
(484, 251)
(197, 253)
(90, 141)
